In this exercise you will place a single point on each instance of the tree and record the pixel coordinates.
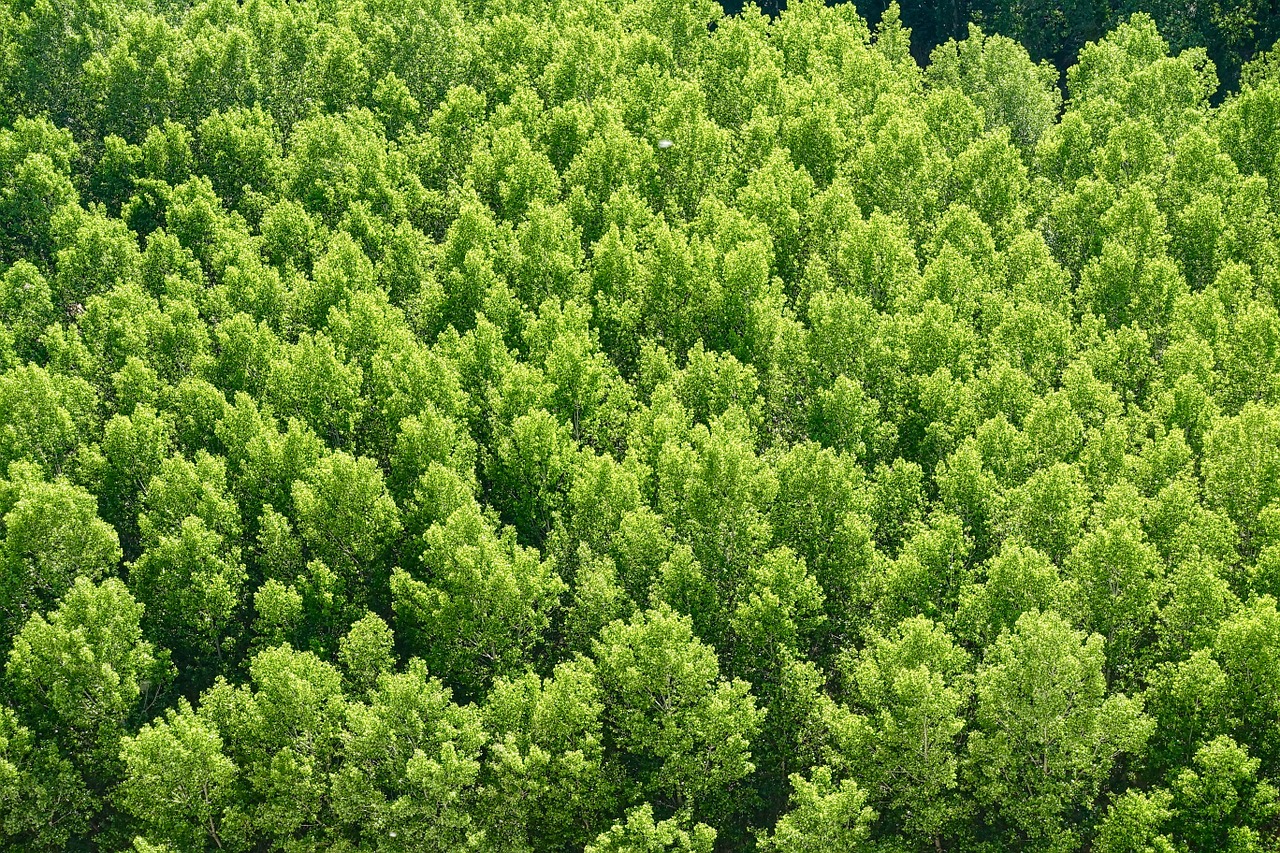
(998, 76)
(629, 426)
(717, 491)
(1189, 700)
(81, 676)
(926, 576)
(1133, 823)
(411, 765)
(1017, 580)
(777, 618)
(546, 782)
(1240, 453)
(820, 512)
(134, 448)
(913, 688)
(26, 307)
(182, 489)
(179, 784)
(44, 800)
(1047, 730)
(1246, 652)
(824, 816)
(283, 730)
(681, 732)
(311, 382)
(240, 153)
(367, 652)
(1219, 800)
(1049, 509)
(37, 191)
(483, 605)
(46, 418)
(1116, 577)
(192, 585)
(531, 472)
(346, 517)
(639, 833)
(52, 537)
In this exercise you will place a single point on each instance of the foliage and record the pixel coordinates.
(618, 426)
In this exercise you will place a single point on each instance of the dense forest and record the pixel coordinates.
(1232, 31)
(614, 426)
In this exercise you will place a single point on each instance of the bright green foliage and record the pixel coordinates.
(912, 689)
(618, 425)
(995, 73)
(640, 834)
(485, 606)
(681, 731)
(1017, 580)
(86, 666)
(1214, 805)
(411, 765)
(282, 731)
(178, 783)
(824, 816)
(366, 652)
(81, 678)
(43, 797)
(550, 777)
(345, 515)
(45, 420)
(1219, 799)
(1046, 732)
(52, 536)
(1116, 577)
(1248, 652)
(194, 584)
(1133, 823)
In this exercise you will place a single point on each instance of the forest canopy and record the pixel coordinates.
(1233, 32)
(613, 426)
